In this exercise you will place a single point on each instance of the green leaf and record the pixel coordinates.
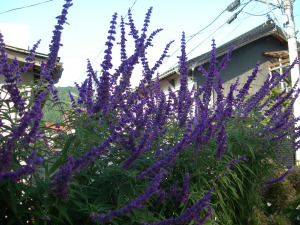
(63, 156)
(29, 191)
(63, 212)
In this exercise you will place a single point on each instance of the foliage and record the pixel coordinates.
(281, 202)
(52, 111)
(139, 156)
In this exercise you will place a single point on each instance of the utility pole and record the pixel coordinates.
(293, 55)
(293, 49)
(287, 8)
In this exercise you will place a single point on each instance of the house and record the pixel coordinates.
(33, 74)
(30, 77)
(265, 44)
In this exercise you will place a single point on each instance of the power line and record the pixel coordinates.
(194, 35)
(200, 43)
(206, 39)
(275, 18)
(26, 6)
(241, 22)
(245, 4)
(250, 14)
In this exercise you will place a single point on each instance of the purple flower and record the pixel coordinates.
(173, 191)
(150, 38)
(279, 102)
(133, 30)
(29, 60)
(47, 218)
(222, 64)
(277, 179)
(184, 193)
(209, 75)
(55, 42)
(104, 83)
(22, 130)
(145, 144)
(244, 90)
(147, 19)
(191, 214)
(183, 90)
(26, 170)
(74, 105)
(123, 40)
(221, 141)
(60, 180)
(165, 161)
(134, 204)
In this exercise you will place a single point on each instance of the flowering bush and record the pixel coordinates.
(139, 156)
(282, 201)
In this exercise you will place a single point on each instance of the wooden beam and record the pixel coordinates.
(279, 62)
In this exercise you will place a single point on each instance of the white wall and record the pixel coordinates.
(164, 84)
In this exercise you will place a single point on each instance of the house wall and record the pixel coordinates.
(27, 78)
(242, 62)
(164, 84)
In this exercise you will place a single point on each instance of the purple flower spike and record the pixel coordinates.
(183, 195)
(26, 170)
(61, 180)
(191, 214)
(55, 42)
(221, 141)
(134, 204)
(147, 19)
(277, 179)
(123, 40)
(133, 31)
(105, 79)
(183, 95)
(210, 76)
(244, 91)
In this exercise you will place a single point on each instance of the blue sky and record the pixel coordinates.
(89, 21)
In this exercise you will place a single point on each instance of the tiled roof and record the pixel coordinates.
(263, 30)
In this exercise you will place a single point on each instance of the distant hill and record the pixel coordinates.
(51, 113)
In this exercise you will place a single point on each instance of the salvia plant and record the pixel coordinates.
(138, 155)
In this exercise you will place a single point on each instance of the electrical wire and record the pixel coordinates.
(200, 44)
(194, 35)
(251, 14)
(275, 19)
(241, 22)
(245, 4)
(206, 39)
(25, 7)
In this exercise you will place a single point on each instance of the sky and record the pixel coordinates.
(88, 21)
